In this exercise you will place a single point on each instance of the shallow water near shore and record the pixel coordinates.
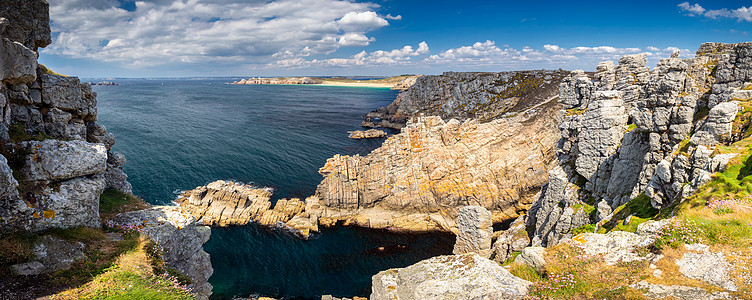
(180, 134)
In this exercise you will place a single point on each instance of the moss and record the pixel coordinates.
(639, 208)
(630, 127)
(575, 111)
(589, 228)
(113, 202)
(19, 133)
(49, 72)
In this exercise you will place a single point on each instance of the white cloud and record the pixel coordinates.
(366, 19)
(740, 14)
(208, 31)
(397, 17)
(403, 55)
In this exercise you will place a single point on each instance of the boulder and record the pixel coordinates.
(512, 240)
(710, 267)
(475, 231)
(181, 240)
(614, 247)
(51, 254)
(533, 257)
(73, 203)
(69, 94)
(466, 276)
(368, 134)
(18, 64)
(59, 160)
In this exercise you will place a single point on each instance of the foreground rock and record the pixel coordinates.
(182, 241)
(467, 276)
(475, 230)
(368, 134)
(660, 291)
(51, 254)
(707, 266)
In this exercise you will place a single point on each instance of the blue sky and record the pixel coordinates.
(176, 38)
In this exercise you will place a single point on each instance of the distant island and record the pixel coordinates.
(401, 82)
(103, 83)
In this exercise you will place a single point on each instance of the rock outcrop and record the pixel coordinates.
(474, 231)
(367, 134)
(467, 276)
(180, 239)
(406, 83)
(51, 254)
(465, 95)
(629, 130)
(293, 80)
(56, 159)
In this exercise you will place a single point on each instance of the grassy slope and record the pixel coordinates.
(111, 269)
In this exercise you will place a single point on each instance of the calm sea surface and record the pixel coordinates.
(180, 134)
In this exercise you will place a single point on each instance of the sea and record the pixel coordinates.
(178, 134)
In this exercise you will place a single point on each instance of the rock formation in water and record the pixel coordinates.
(56, 159)
(465, 95)
(630, 130)
(367, 134)
(293, 80)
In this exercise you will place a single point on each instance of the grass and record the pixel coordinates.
(50, 72)
(640, 210)
(131, 277)
(630, 127)
(19, 133)
(113, 202)
(570, 274)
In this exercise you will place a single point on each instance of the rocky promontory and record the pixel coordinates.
(468, 95)
(367, 134)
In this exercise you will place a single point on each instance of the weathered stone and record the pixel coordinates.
(616, 246)
(60, 160)
(115, 178)
(181, 240)
(69, 94)
(51, 254)
(368, 134)
(710, 267)
(660, 291)
(28, 22)
(532, 257)
(74, 203)
(8, 184)
(224, 203)
(467, 276)
(18, 64)
(717, 127)
(512, 240)
(475, 230)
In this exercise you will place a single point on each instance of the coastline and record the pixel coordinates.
(332, 84)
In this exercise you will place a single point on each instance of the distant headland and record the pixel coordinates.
(401, 82)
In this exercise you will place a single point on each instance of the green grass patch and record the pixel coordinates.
(640, 210)
(588, 228)
(630, 127)
(19, 133)
(49, 72)
(511, 259)
(113, 202)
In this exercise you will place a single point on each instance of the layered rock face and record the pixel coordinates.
(181, 240)
(630, 130)
(475, 230)
(465, 95)
(56, 159)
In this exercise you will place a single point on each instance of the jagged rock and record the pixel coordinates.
(224, 203)
(532, 257)
(717, 128)
(466, 95)
(115, 178)
(368, 134)
(436, 167)
(8, 184)
(475, 230)
(96, 133)
(60, 160)
(51, 254)
(710, 267)
(181, 240)
(18, 64)
(467, 276)
(660, 291)
(406, 83)
(552, 215)
(512, 240)
(28, 22)
(69, 94)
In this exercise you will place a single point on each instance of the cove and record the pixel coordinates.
(180, 134)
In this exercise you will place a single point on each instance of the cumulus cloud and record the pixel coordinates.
(402, 55)
(740, 14)
(151, 32)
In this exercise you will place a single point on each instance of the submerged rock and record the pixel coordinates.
(368, 134)
(466, 276)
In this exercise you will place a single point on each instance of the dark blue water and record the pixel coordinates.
(181, 134)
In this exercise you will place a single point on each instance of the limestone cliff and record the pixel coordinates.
(466, 95)
(630, 130)
(56, 159)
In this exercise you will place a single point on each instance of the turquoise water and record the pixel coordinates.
(180, 134)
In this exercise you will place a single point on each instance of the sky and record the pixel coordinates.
(248, 38)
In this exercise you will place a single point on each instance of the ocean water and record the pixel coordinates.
(180, 134)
